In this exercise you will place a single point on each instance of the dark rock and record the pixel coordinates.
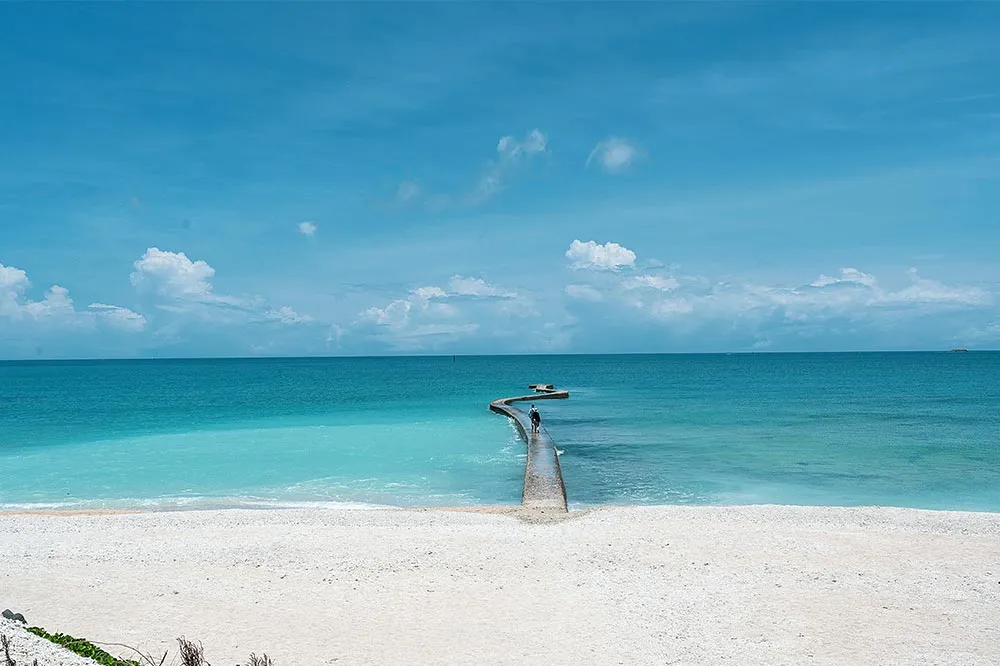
(15, 617)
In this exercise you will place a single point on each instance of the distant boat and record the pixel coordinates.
(955, 351)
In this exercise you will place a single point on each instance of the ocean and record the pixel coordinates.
(891, 429)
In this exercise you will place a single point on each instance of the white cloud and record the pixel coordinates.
(424, 320)
(584, 292)
(468, 286)
(855, 294)
(56, 309)
(927, 291)
(12, 278)
(399, 314)
(510, 154)
(850, 275)
(594, 256)
(427, 293)
(658, 282)
(614, 154)
(307, 228)
(173, 275)
(287, 315)
(459, 285)
(396, 314)
(511, 149)
(854, 305)
(657, 308)
(13, 283)
(119, 317)
(183, 287)
(426, 299)
(57, 303)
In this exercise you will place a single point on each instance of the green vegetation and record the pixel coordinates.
(83, 648)
(191, 654)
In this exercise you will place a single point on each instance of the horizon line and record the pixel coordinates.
(480, 355)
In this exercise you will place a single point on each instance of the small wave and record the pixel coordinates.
(189, 504)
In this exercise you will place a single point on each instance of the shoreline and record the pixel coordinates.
(499, 509)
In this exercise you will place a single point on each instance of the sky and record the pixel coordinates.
(237, 179)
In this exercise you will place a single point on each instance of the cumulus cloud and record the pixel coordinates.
(183, 286)
(307, 228)
(56, 309)
(414, 324)
(13, 283)
(427, 293)
(511, 154)
(614, 154)
(173, 275)
(432, 315)
(57, 304)
(396, 314)
(11, 277)
(594, 256)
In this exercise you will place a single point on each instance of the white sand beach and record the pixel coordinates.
(656, 585)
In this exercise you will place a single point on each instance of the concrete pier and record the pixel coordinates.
(544, 489)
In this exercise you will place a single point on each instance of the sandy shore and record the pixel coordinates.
(658, 585)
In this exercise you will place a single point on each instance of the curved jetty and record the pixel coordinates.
(543, 482)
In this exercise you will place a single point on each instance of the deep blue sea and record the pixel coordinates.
(899, 429)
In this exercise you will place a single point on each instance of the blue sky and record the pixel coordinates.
(181, 179)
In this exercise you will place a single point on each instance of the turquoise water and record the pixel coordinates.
(901, 429)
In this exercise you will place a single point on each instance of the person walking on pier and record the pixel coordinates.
(536, 419)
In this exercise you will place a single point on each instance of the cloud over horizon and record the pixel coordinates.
(56, 309)
(369, 179)
(469, 312)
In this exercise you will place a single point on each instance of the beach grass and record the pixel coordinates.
(82, 647)
(190, 653)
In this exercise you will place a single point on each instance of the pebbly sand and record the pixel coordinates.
(654, 585)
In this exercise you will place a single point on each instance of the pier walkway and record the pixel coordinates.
(543, 483)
